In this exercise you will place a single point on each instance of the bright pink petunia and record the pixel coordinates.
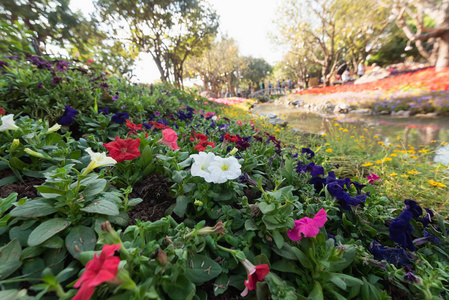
(98, 270)
(255, 274)
(121, 150)
(169, 137)
(372, 177)
(307, 226)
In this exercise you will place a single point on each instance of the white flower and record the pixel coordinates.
(201, 164)
(8, 123)
(98, 160)
(223, 169)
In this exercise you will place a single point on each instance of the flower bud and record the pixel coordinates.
(110, 236)
(217, 229)
(34, 153)
(233, 151)
(198, 203)
(54, 128)
(161, 257)
(15, 144)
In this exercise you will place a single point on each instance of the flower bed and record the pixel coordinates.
(246, 214)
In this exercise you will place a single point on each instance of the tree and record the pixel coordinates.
(52, 21)
(435, 31)
(310, 24)
(256, 70)
(216, 65)
(170, 30)
(296, 65)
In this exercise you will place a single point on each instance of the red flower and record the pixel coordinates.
(169, 138)
(158, 125)
(2, 111)
(98, 270)
(231, 138)
(201, 146)
(90, 60)
(255, 274)
(198, 137)
(121, 150)
(133, 126)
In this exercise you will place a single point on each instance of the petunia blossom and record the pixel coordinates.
(200, 166)
(169, 138)
(202, 146)
(372, 177)
(133, 126)
(224, 169)
(69, 114)
(98, 160)
(98, 270)
(8, 123)
(401, 230)
(255, 274)
(308, 227)
(121, 150)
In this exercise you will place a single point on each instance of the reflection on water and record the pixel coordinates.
(413, 131)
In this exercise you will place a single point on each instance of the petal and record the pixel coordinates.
(262, 271)
(84, 293)
(320, 218)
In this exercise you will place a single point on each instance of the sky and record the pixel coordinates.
(248, 22)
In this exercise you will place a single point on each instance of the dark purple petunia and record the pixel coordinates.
(162, 121)
(311, 168)
(310, 153)
(61, 65)
(358, 186)
(39, 85)
(242, 144)
(427, 219)
(396, 256)
(56, 80)
(104, 111)
(120, 117)
(190, 109)
(244, 178)
(67, 117)
(413, 207)
(184, 116)
(428, 238)
(104, 85)
(3, 64)
(401, 230)
(410, 276)
(259, 139)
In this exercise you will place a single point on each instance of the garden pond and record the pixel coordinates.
(414, 131)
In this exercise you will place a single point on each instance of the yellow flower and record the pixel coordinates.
(367, 164)
(329, 150)
(413, 172)
(336, 124)
(324, 134)
(398, 137)
(98, 160)
(423, 151)
(393, 174)
(376, 137)
(393, 155)
(387, 159)
(327, 144)
(443, 143)
(351, 136)
(433, 141)
(340, 128)
(404, 176)
(378, 161)
(436, 184)
(364, 129)
(345, 130)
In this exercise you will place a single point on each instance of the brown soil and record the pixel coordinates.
(23, 189)
(155, 192)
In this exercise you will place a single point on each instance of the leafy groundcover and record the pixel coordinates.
(111, 190)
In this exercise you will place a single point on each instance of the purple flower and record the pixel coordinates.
(395, 256)
(428, 238)
(61, 65)
(123, 107)
(56, 80)
(39, 85)
(67, 117)
(120, 117)
(104, 85)
(413, 207)
(358, 186)
(104, 111)
(114, 98)
(401, 230)
(311, 168)
(310, 153)
(410, 276)
(157, 113)
(3, 64)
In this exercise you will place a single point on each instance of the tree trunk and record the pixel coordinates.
(443, 52)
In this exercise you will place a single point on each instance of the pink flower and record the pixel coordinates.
(308, 227)
(372, 177)
(240, 123)
(169, 137)
(255, 274)
(98, 270)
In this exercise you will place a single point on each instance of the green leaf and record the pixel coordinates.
(95, 188)
(181, 205)
(202, 269)
(317, 292)
(16, 163)
(46, 230)
(250, 225)
(15, 295)
(79, 239)
(338, 282)
(10, 258)
(50, 192)
(34, 208)
(134, 201)
(303, 259)
(8, 180)
(188, 187)
(182, 289)
(102, 207)
(178, 176)
(287, 266)
(265, 207)
(278, 239)
(6, 203)
(346, 259)
(33, 267)
(54, 242)
(221, 284)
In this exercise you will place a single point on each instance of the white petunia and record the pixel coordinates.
(8, 123)
(98, 160)
(224, 169)
(201, 164)
(54, 128)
